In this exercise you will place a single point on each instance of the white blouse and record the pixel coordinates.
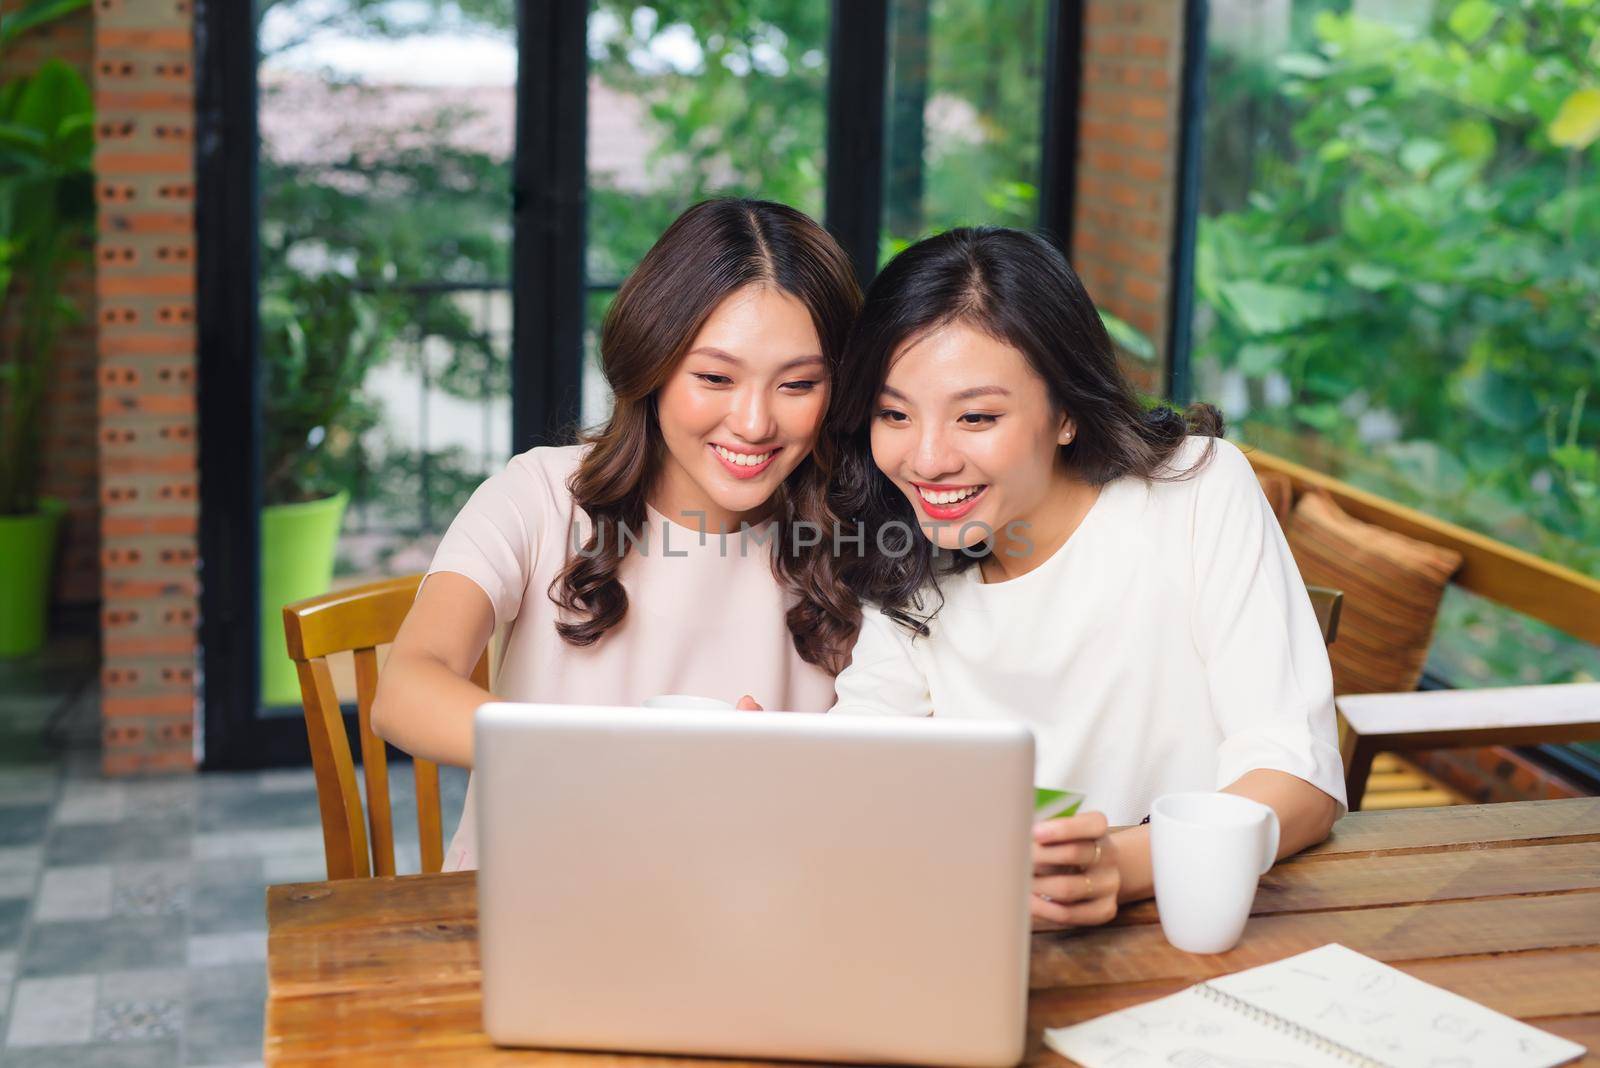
(1168, 645)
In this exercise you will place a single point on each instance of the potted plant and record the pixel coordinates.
(46, 217)
(320, 335)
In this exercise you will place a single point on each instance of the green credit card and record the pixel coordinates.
(1054, 804)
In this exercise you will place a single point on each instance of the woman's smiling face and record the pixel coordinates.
(966, 429)
(742, 409)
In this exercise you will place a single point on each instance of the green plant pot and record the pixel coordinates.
(298, 542)
(27, 563)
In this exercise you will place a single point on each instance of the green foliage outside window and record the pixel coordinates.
(360, 254)
(1405, 286)
(746, 118)
(964, 124)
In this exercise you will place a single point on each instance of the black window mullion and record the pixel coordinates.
(548, 205)
(857, 77)
(1063, 85)
(1191, 113)
(906, 137)
(227, 195)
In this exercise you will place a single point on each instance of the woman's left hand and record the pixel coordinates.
(1075, 875)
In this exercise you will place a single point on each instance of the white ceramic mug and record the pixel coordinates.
(684, 700)
(1207, 851)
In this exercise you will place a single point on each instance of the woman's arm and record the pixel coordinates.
(426, 698)
(1267, 673)
(1305, 816)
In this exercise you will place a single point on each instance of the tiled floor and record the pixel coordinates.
(132, 930)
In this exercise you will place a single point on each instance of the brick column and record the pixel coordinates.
(144, 102)
(1124, 213)
(69, 465)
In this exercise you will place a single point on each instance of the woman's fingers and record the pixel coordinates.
(1071, 855)
(1070, 828)
(748, 704)
(1078, 896)
(1052, 914)
(1067, 887)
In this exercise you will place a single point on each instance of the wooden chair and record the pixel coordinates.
(358, 620)
(1370, 724)
(1326, 604)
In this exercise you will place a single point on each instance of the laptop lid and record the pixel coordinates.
(754, 884)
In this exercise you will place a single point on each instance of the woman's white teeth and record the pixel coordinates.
(947, 496)
(743, 459)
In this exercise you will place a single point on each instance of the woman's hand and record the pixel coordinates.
(748, 704)
(1075, 873)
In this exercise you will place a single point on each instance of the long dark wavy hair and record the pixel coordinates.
(1020, 290)
(710, 252)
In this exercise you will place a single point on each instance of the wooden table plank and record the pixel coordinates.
(396, 899)
(1458, 827)
(1402, 932)
(1413, 877)
(415, 954)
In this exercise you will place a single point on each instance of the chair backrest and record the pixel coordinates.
(357, 621)
(1326, 604)
(1547, 591)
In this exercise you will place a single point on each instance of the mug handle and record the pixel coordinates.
(1271, 826)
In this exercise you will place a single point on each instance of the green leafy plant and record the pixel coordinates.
(37, 13)
(1397, 280)
(46, 218)
(359, 254)
(319, 338)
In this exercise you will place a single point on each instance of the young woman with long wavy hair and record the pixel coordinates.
(1040, 546)
(605, 561)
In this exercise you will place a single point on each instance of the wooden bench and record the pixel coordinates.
(1371, 724)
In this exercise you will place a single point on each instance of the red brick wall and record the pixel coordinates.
(1127, 164)
(144, 99)
(70, 466)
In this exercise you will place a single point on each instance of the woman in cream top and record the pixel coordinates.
(720, 350)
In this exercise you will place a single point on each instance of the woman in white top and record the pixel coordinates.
(1041, 547)
(719, 350)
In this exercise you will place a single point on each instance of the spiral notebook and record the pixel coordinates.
(1329, 1008)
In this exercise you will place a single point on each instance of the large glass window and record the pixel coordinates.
(966, 88)
(385, 230)
(384, 234)
(1396, 275)
(689, 101)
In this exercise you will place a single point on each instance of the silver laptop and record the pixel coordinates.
(754, 884)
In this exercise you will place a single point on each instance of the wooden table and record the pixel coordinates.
(1500, 903)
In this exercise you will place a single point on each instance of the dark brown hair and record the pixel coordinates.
(1019, 289)
(710, 252)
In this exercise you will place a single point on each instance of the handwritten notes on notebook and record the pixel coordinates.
(1329, 1008)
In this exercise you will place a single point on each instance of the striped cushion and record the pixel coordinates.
(1392, 586)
